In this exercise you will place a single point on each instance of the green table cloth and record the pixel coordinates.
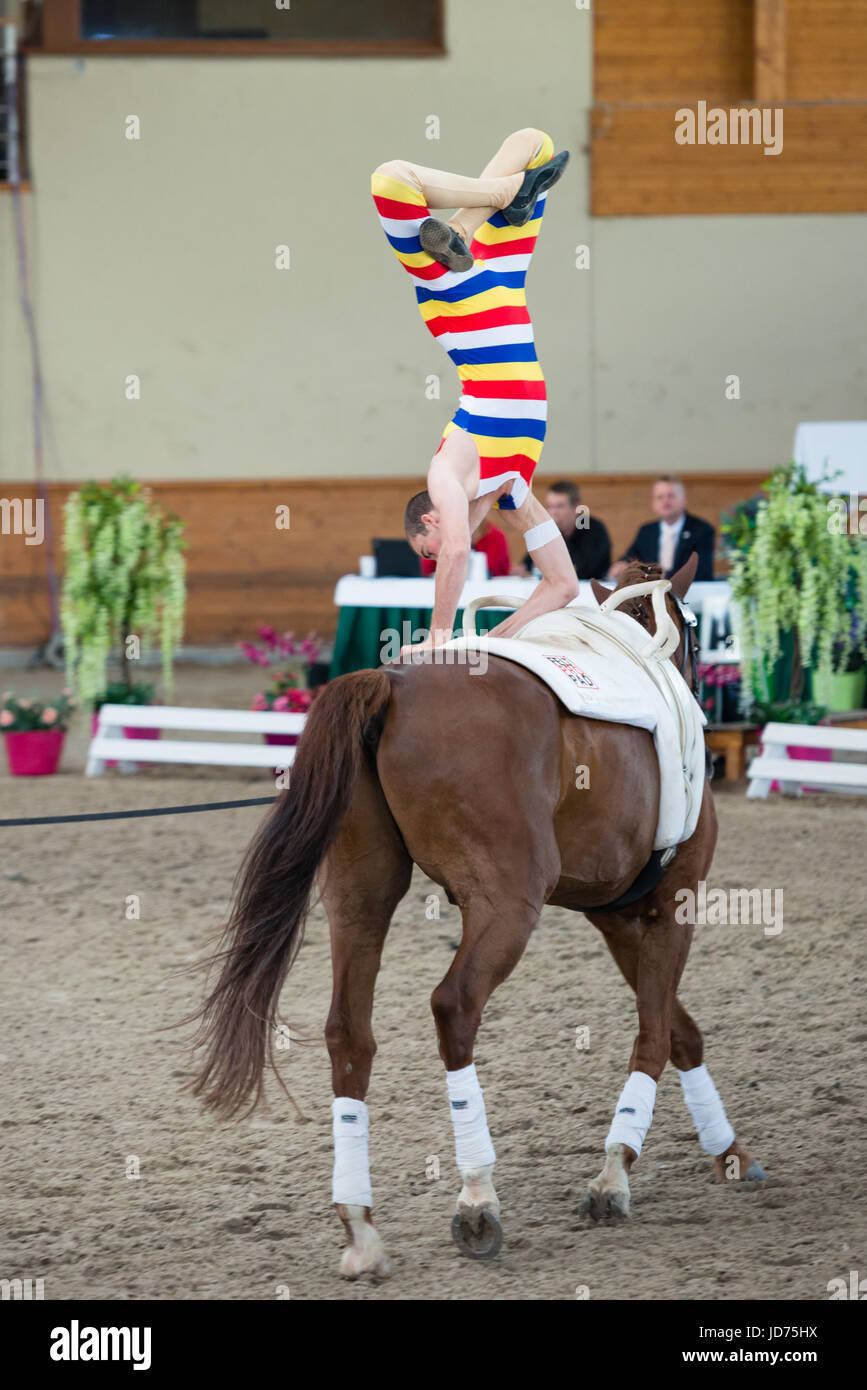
(358, 644)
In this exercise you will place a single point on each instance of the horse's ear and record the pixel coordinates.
(599, 590)
(681, 581)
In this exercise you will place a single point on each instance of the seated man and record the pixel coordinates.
(670, 541)
(469, 282)
(586, 537)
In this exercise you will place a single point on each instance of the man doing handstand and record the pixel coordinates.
(469, 277)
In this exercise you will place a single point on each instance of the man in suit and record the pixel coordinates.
(586, 537)
(670, 541)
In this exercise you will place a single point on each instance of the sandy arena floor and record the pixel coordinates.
(91, 1085)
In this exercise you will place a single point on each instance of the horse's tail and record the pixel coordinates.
(266, 925)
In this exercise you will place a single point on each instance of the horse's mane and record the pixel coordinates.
(637, 572)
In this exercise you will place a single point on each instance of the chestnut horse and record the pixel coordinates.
(472, 778)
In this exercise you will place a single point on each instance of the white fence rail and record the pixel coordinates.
(110, 743)
(793, 774)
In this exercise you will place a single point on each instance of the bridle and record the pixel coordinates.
(690, 643)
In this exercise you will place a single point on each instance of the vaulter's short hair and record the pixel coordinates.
(567, 489)
(417, 507)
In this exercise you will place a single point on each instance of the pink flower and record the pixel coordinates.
(281, 703)
(49, 715)
(259, 702)
(7, 717)
(267, 634)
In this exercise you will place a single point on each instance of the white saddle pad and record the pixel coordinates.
(596, 665)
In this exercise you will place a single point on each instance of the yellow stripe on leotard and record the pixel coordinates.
(497, 298)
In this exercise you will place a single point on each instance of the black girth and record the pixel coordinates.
(645, 883)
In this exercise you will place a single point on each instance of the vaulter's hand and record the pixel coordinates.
(427, 646)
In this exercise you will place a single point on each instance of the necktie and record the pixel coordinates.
(666, 549)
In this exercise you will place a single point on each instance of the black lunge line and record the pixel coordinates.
(131, 815)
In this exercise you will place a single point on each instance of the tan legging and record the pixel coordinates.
(476, 199)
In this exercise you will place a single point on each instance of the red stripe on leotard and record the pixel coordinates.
(505, 390)
(471, 323)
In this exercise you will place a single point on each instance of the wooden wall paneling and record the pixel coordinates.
(639, 170)
(242, 571)
(827, 50)
(653, 56)
(769, 52)
(653, 50)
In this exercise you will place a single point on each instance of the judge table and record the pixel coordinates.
(402, 607)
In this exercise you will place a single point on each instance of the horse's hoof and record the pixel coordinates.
(599, 1205)
(755, 1172)
(353, 1265)
(481, 1244)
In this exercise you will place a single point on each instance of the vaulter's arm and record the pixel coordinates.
(450, 499)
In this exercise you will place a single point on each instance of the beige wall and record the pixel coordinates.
(156, 257)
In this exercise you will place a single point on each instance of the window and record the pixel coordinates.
(303, 27)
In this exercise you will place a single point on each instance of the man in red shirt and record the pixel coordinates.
(491, 541)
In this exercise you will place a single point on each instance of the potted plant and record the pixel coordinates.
(303, 657)
(844, 688)
(796, 582)
(123, 588)
(793, 712)
(719, 685)
(33, 733)
(738, 526)
(119, 693)
(284, 696)
(300, 661)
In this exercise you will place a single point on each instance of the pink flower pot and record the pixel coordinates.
(127, 733)
(141, 733)
(34, 752)
(283, 739)
(806, 755)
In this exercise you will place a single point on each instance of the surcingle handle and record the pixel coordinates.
(664, 641)
(487, 601)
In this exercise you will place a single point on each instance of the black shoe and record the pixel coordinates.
(522, 206)
(444, 244)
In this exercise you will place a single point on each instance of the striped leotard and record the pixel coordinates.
(481, 318)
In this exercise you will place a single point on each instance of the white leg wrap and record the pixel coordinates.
(473, 1147)
(634, 1112)
(351, 1184)
(704, 1105)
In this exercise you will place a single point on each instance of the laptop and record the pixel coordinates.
(395, 559)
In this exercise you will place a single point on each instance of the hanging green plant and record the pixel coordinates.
(793, 572)
(124, 578)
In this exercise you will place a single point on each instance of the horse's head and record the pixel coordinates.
(640, 607)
